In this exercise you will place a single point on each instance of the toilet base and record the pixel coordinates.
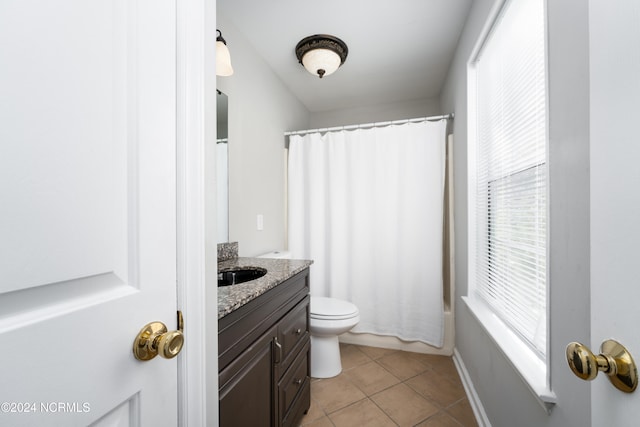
(325, 356)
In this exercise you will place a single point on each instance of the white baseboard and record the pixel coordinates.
(474, 399)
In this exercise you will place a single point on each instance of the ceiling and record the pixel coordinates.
(398, 50)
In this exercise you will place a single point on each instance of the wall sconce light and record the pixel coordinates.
(321, 54)
(223, 58)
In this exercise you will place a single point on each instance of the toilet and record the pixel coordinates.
(328, 318)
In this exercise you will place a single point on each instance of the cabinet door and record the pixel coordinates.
(247, 391)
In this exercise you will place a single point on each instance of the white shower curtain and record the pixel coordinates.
(367, 206)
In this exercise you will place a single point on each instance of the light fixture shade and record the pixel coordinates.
(321, 59)
(223, 58)
(321, 54)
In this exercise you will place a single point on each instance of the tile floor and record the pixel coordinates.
(382, 387)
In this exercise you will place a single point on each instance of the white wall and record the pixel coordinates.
(506, 399)
(261, 109)
(376, 113)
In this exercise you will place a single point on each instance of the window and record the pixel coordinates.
(511, 277)
(508, 181)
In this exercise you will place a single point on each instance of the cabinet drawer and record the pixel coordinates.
(295, 386)
(293, 330)
(298, 409)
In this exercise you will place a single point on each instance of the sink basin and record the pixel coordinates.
(233, 276)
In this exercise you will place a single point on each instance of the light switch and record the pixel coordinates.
(260, 222)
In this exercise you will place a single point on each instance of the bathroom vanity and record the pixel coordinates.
(263, 344)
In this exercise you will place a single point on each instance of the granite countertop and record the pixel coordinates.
(230, 298)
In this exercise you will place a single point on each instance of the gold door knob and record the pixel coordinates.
(614, 360)
(154, 339)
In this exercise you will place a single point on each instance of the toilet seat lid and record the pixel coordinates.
(332, 308)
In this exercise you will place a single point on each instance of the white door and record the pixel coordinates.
(88, 210)
(615, 197)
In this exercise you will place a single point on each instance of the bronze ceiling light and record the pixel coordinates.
(321, 54)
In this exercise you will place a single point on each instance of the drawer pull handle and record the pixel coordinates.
(298, 331)
(279, 347)
(298, 382)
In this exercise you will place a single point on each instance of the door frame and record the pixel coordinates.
(196, 125)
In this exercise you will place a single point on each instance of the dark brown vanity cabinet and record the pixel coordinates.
(264, 358)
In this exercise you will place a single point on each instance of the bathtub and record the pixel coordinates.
(398, 344)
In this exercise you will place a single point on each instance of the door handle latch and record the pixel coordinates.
(154, 339)
(614, 360)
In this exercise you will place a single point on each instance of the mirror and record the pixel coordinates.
(222, 168)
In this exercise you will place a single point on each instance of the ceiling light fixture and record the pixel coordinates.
(223, 58)
(321, 54)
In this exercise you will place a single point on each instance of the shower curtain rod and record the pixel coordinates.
(373, 125)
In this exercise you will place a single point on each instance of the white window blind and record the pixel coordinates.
(511, 192)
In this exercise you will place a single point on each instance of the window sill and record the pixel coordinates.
(531, 369)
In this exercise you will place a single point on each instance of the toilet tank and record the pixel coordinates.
(276, 254)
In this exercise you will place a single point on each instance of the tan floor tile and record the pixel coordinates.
(369, 393)
(437, 387)
(371, 378)
(448, 368)
(363, 413)
(351, 356)
(335, 393)
(322, 422)
(404, 405)
(440, 420)
(402, 365)
(462, 412)
(315, 412)
(376, 352)
(441, 364)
